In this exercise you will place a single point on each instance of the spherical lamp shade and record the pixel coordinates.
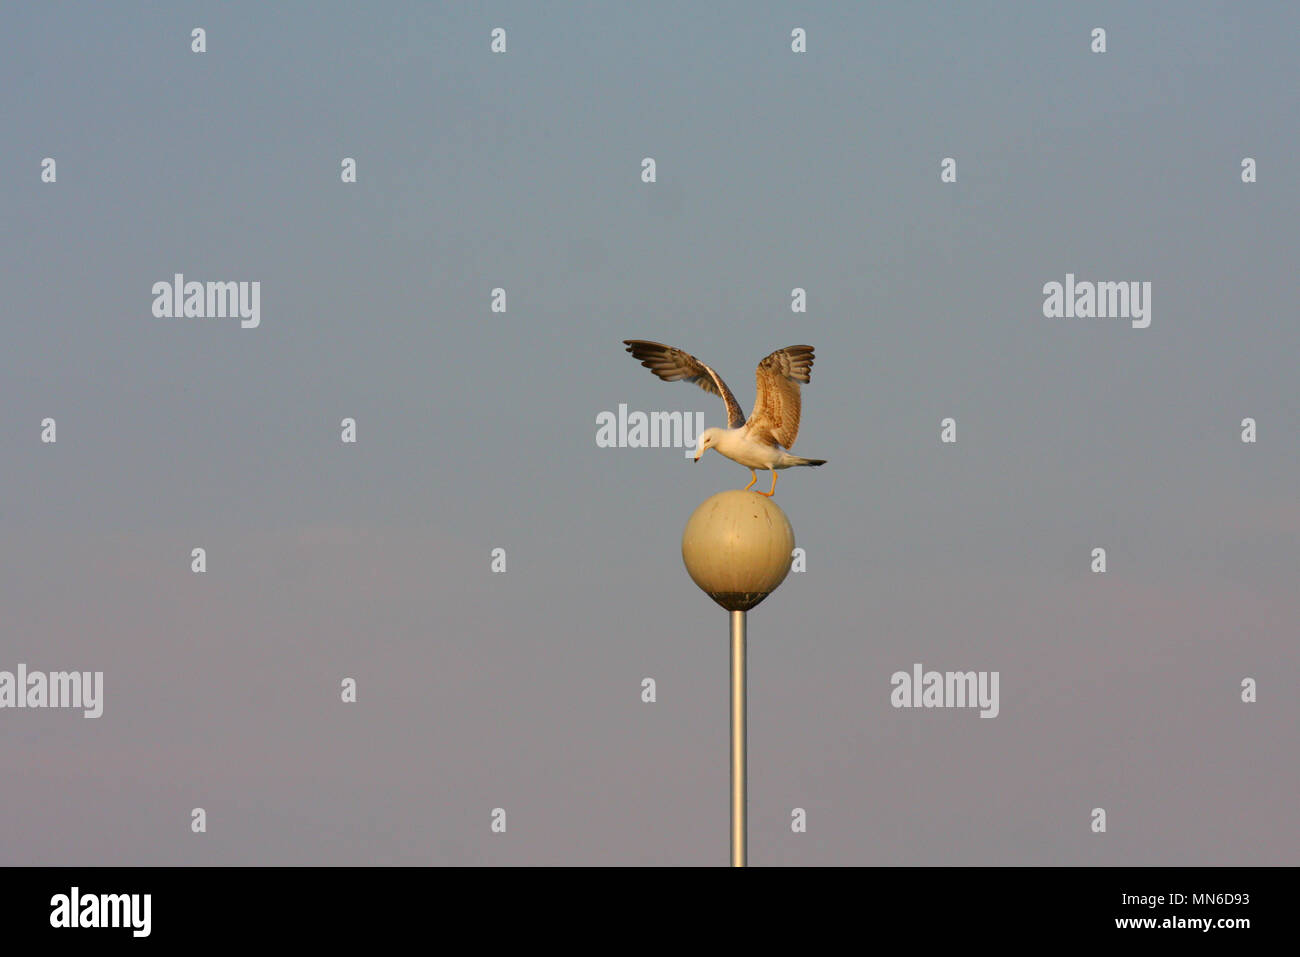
(737, 547)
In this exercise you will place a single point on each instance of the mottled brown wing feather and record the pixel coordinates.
(674, 365)
(776, 408)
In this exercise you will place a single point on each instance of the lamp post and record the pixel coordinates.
(737, 548)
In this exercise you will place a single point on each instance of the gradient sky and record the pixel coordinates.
(477, 430)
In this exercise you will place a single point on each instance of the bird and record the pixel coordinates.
(759, 442)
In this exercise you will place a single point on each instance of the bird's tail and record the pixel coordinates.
(799, 461)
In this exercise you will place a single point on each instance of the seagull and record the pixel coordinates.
(761, 441)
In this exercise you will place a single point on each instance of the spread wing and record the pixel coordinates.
(776, 409)
(673, 365)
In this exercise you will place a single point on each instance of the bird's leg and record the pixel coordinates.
(752, 480)
(773, 492)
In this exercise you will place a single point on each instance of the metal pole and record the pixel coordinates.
(739, 808)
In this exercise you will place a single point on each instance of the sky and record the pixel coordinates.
(477, 430)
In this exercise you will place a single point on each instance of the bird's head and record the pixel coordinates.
(708, 440)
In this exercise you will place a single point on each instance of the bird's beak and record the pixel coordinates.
(697, 456)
